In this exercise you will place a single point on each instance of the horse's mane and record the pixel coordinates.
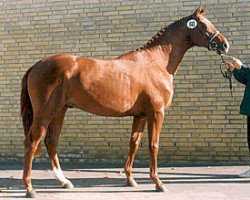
(161, 36)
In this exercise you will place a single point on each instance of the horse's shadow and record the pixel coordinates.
(109, 181)
(103, 179)
(11, 187)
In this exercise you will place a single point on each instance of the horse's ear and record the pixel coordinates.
(198, 11)
(203, 12)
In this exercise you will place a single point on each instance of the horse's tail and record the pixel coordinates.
(26, 108)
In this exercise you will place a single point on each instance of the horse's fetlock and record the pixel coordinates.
(26, 181)
(153, 176)
(128, 170)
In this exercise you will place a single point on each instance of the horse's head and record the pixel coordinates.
(203, 32)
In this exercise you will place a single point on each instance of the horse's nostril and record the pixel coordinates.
(225, 45)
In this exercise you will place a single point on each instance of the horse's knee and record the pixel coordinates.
(153, 148)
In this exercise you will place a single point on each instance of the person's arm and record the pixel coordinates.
(241, 74)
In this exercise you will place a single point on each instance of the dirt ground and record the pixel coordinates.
(93, 182)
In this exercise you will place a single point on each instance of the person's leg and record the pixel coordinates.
(246, 174)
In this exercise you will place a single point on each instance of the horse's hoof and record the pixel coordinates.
(31, 194)
(68, 185)
(131, 183)
(161, 188)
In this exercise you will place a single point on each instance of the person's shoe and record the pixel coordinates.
(245, 174)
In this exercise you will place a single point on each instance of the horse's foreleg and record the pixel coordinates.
(51, 142)
(137, 129)
(31, 142)
(155, 121)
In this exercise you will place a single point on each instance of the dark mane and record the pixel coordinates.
(161, 36)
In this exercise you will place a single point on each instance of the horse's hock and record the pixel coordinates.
(202, 126)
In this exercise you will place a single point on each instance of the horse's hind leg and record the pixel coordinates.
(31, 142)
(51, 142)
(137, 129)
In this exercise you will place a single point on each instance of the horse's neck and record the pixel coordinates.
(166, 51)
(167, 56)
(175, 49)
(176, 55)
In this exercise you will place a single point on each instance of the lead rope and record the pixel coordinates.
(227, 73)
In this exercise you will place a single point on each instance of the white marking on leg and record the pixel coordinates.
(59, 176)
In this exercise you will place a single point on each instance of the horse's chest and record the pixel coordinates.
(167, 93)
(162, 92)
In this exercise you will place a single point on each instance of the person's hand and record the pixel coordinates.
(237, 63)
(229, 66)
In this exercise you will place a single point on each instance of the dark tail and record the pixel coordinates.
(26, 108)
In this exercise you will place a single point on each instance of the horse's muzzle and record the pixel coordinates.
(222, 47)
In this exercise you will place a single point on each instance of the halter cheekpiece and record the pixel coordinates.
(192, 23)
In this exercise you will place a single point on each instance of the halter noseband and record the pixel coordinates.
(211, 44)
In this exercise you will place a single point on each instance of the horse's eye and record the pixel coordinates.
(204, 26)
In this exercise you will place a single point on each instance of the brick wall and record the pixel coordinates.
(201, 127)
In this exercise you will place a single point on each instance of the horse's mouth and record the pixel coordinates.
(223, 48)
(219, 51)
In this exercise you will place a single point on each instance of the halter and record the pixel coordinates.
(211, 44)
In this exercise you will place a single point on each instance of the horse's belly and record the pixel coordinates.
(103, 107)
(105, 99)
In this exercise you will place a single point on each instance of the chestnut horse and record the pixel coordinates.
(138, 83)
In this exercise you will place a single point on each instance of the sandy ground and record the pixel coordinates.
(108, 183)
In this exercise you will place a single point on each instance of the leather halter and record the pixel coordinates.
(211, 44)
